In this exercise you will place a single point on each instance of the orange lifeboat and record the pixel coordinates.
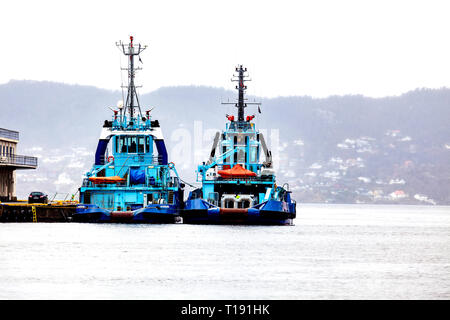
(114, 179)
(236, 172)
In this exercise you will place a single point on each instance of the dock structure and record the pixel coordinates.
(21, 211)
(10, 162)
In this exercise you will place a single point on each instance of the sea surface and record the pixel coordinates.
(332, 252)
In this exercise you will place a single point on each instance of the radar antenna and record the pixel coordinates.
(131, 50)
(241, 87)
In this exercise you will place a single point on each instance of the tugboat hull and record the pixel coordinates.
(91, 213)
(272, 212)
(164, 213)
(150, 214)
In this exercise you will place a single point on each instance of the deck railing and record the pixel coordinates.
(233, 126)
(15, 159)
(152, 160)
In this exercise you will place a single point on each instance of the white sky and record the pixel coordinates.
(317, 48)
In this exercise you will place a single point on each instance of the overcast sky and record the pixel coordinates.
(316, 48)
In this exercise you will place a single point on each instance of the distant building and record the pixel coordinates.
(397, 181)
(398, 194)
(9, 162)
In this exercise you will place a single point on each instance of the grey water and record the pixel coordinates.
(332, 252)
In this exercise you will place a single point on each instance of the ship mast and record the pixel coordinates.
(241, 87)
(131, 50)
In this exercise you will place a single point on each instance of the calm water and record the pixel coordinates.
(333, 252)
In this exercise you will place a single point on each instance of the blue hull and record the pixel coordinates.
(272, 212)
(158, 213)
(155, 213)
(91, 213)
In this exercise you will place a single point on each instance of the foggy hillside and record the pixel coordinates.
(340, 149)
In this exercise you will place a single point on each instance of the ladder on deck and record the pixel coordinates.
(170, 200)
(33, 209)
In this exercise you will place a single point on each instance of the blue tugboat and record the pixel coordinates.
(236, 187)
(130, 181)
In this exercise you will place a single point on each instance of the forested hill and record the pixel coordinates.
(340, 149)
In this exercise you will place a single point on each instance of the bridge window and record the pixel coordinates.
(123, 144)
(141, 143)
(131, 144)
(147, 144)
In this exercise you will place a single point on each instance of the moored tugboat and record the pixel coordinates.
(130, 181)
(237, 188)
